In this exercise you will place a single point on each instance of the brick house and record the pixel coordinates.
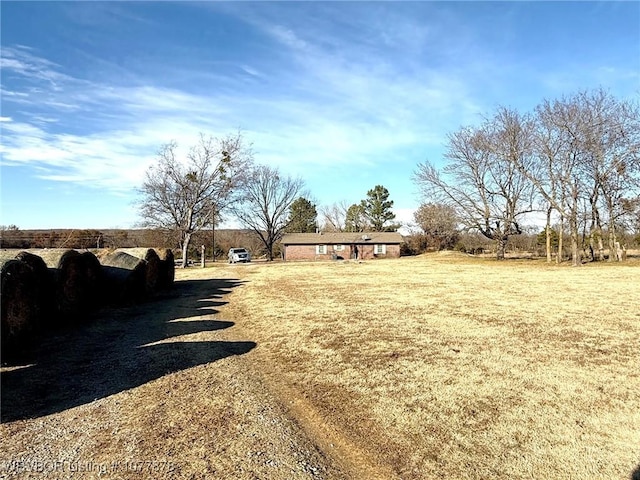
(341, 245)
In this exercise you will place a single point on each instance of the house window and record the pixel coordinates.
(380, 249)
(338, 248)
(321, 249)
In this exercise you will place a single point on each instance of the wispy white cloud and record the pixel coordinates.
(287, 37)
(21, 61)
(125, 127)
(251, 71)
(360, 104)
(131, 122)
(14, 96)
(108, 161)
(336, 87)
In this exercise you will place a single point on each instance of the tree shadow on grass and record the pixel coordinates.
(118, 350)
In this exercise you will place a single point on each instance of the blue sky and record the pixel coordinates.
(345, 95)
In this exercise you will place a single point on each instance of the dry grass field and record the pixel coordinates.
(439, 366)
(443, 366)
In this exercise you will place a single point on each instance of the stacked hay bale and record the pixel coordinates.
(76, 279)
(20, 306)
(153, 270)
(41, 289)
(44, 285)
(125, 277)
(95, 279)
(167, 267)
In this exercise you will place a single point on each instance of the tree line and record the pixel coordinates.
(11, 236)
(218, 177)
(575, 159)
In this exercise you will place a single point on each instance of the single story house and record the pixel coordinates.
(341, 245)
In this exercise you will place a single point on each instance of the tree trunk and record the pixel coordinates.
(560, 240)
(613, 252)
(270, 250)
(501, 246)
(591, 253)
(576, 258)
(596, 231)
(618, 252)
(186, 238)
(600, 245)
(548, 232)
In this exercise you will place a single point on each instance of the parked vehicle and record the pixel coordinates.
(239, 255)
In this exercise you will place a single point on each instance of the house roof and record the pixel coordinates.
(332, 238)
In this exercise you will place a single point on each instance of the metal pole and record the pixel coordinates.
(213, 233)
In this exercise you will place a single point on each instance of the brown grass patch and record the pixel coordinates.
(417, 368)
(445, 366)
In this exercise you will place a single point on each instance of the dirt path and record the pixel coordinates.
(354, 462)
(167, 389)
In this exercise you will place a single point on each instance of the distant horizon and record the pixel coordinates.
(344, 95)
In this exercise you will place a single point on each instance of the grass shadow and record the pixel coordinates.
(118, 350)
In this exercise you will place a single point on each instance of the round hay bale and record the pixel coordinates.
(167, 267)
(72, 288)
(19, 306)
(34, 261)
(154, 269)
(44, 284)
(95, 279)
(125, 277)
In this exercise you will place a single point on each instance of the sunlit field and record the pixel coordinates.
(446, 366)
(438, 366)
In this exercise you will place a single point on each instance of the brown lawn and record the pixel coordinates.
(444, 366)
(439, 366)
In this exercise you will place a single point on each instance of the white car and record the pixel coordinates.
(239, 255)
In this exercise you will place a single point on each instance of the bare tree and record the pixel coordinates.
(179, 194)
(267, 197)
(612, 160)
(439, 224)
(480, 180)
(334, 217)
(550, 175)
(584, 160)
(557, 172)
(11, 237)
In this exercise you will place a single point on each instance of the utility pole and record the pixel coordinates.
(213, 232)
